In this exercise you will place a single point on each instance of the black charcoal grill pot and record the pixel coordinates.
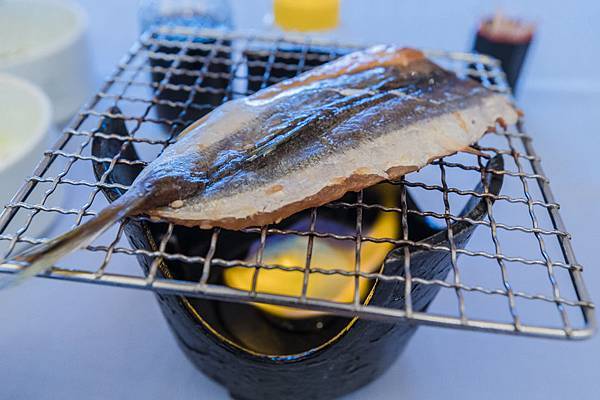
(190, 79)
(266, 67)
(255, 358)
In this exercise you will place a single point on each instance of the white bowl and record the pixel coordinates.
(44, 41)
(25, 123)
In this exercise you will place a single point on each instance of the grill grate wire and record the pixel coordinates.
(147, 86)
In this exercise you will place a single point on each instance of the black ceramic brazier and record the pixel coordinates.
(255, 358)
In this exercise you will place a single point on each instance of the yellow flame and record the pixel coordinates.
(328, 254)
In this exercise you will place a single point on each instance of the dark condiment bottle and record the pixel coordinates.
(507, 40)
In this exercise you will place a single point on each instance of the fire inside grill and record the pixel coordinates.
(499, 198)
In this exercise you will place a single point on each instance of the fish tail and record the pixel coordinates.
(39, 258)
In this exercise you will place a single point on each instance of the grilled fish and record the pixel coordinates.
(369, 116)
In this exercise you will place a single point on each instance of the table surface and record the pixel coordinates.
(66, 340)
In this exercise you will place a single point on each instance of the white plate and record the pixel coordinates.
(44, 41)
(25, 123)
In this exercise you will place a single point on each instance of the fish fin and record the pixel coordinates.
(39, 258)
(474, 151)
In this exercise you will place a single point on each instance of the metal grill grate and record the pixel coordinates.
(518, 274)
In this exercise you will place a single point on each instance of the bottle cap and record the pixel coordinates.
(306, 15)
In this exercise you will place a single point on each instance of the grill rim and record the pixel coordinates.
(209, 291)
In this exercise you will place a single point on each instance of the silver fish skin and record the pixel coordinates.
(371, 115)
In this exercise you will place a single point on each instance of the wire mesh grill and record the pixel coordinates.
(518, 274)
